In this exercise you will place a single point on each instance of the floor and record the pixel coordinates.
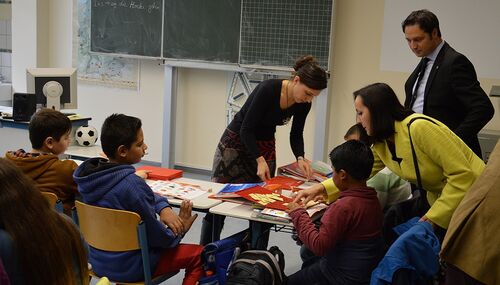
(282, 240)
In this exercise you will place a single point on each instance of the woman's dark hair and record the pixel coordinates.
(425, 19)
(310, 73)
(117, 130)
(354, 157)
(384, 108)
(48, 245)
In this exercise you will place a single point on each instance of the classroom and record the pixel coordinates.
(183, 105)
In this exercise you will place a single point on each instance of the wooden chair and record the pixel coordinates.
(116, 230)
(54, 201)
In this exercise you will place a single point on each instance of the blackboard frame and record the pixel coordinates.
(231, 65)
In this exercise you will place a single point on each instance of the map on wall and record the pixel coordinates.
(100, 69)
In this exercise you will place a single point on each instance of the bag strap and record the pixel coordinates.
(415, 161)
(276, 251)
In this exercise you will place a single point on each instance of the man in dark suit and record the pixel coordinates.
(444, 85)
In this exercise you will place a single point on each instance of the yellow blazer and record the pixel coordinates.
(448, 167)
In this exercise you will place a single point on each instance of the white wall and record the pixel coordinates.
(24, 35)
(94, 101)
(468, 27)
(201, 94)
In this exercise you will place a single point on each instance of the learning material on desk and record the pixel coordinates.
(184, 191)
(294, 170)
(322, 168)
(229, 190)
(312, 211)
(160, 173)
(284, 182)
(263, 197)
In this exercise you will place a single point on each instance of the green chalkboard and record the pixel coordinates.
(132, 27)
(277, 32)
(206, 30)
(262, 33)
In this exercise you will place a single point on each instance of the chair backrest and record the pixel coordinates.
(108, 229)
(116, 230)
(54, 201)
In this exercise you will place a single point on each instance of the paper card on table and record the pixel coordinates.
(265, 198)
(284, 181)
(275, 213)
(230, 190)
(312, 211)
(178, 190)
(294, 169)
(321, 167)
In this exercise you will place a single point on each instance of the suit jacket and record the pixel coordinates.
(471, 242)
(454, 97)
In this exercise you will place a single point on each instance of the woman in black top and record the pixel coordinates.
(246, 151)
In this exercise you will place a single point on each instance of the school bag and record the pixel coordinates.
(258, 267)
(217, 256)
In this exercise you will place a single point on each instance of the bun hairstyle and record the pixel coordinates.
(310, 73)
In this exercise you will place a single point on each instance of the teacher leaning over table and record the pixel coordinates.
(447, 166)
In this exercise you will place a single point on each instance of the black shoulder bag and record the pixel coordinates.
(416, 206)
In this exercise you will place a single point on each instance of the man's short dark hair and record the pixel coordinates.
(47, 123)
(354, 157)
(425, 19)
(117, 130)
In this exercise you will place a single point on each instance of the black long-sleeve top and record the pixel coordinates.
(261, 113)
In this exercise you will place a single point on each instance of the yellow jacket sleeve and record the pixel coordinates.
(332, 192)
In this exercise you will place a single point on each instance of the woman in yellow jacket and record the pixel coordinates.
(448, 167)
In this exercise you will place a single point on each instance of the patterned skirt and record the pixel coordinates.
(233, 164)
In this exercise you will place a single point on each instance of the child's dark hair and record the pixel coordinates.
(354, 157)
(47, 123)
(358, 129)
(117, 130)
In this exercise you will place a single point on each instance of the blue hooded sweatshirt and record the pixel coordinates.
(116, 186)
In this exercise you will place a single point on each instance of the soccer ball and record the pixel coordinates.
(86, 136)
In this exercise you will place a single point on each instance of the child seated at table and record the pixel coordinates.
(113, 184)
(391, 189)
(349, 240)
(49, 133)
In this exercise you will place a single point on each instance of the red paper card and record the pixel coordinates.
(284, 182)
(265, 198)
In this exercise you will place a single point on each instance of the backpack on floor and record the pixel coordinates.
(259, 267)
(217, 256)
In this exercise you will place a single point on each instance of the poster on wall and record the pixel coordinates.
(95, 68)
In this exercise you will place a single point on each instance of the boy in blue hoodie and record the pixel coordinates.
(113, 184)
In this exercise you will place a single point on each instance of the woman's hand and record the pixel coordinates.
(305, 166)
(263, 169)
(313, 193)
